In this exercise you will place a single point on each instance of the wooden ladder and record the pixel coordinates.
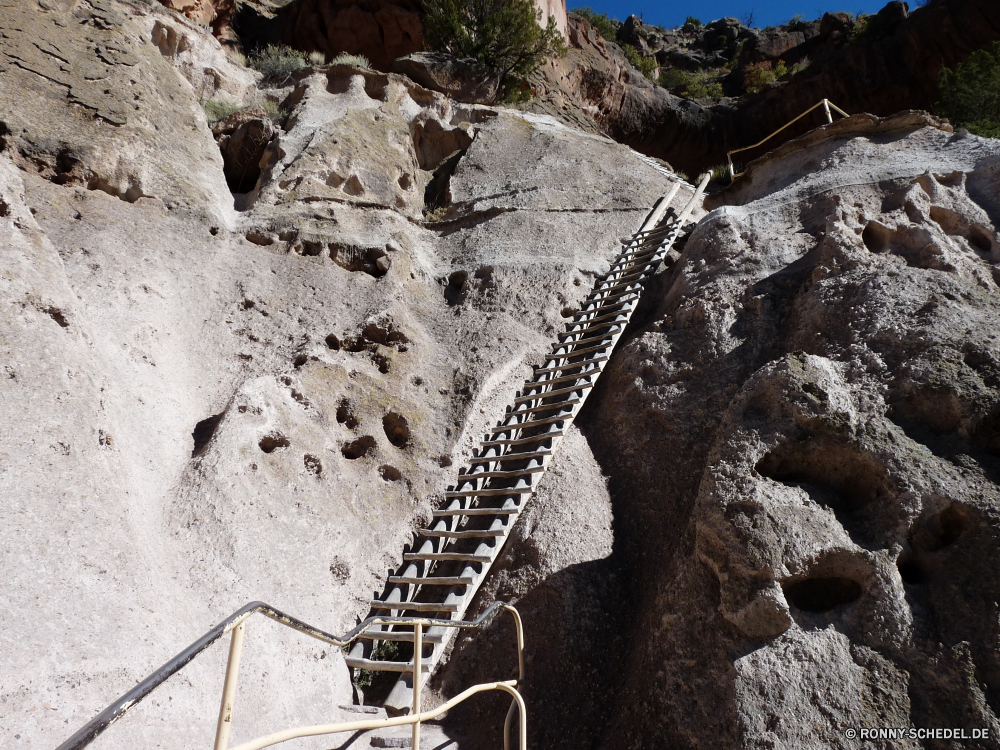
(452, 557)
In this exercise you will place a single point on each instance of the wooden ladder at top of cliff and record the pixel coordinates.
(451, 558)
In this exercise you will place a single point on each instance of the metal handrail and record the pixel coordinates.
(826, 104)
(235, 624)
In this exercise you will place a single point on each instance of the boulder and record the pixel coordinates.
(461, 79)
(214, 13)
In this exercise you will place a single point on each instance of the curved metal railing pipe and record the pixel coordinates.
(93, 728)
(826, 104)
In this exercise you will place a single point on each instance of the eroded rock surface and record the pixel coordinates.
(813, 496)
(203, 407)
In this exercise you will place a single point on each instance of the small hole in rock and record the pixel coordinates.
(567, 312)
(954, 521)
(313, 465)
(397, 429)
(910, 571)
(57, 315)
(300, 360)
(213, 231)
(417, 380)
(358, 448)
(389, 473)
(876, 237)
(822, 594)
(272, 442)
(203, 433)
(345, 415)
(444, 461)
(980, 240)
(381, 362)
(333, 342)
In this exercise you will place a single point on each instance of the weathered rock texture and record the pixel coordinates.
(779, 517)
(381, 30)
(813, 496)
(203, 407)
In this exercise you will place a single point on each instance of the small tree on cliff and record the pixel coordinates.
(504, 35)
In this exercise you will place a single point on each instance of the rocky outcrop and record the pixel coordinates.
(462, 79)
(821, 371)
(381, 30)
(214, 13)
(894, 65)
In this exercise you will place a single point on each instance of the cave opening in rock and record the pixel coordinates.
(822, 594)
(203, 433)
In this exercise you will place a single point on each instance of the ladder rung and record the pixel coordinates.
(446, 556)
(432, 580)
(392, 635)
(475, 512)
(510, 457)
(416, 606)
(474, 534)
(633, 293)
(523, 440)
(618, 314)
(569, 365)
(384, 666)
(563, 379)
(534, 422)
(490, 492)
(547, 394)
(590, 340)
(503, 474)
(567, 355)
(545, 407)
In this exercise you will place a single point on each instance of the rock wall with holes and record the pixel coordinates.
(812, 494)
(212, 397)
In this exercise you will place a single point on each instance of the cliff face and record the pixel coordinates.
(777, 519)
(203, 407)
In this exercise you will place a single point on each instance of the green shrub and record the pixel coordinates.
(794, 23)
(218, 109)
(720, 175)
(692, 21)
(645, 65)
(801, 65)
(599, 21)
(760, 75)
(502, 34)
(277, 60)
(383, 651)
(700, 85)
(970, 94)
(358, 61)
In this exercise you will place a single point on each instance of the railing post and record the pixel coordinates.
(418, 683)
(826, 109)
(229, 688)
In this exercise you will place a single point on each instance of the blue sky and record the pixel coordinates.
(766, 12)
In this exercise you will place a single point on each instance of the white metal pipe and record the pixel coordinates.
(353, 726)
(418, 683)
(826, 111)
(229, 688)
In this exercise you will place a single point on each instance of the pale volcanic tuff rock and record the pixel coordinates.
(810, 511)
(202, 407)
